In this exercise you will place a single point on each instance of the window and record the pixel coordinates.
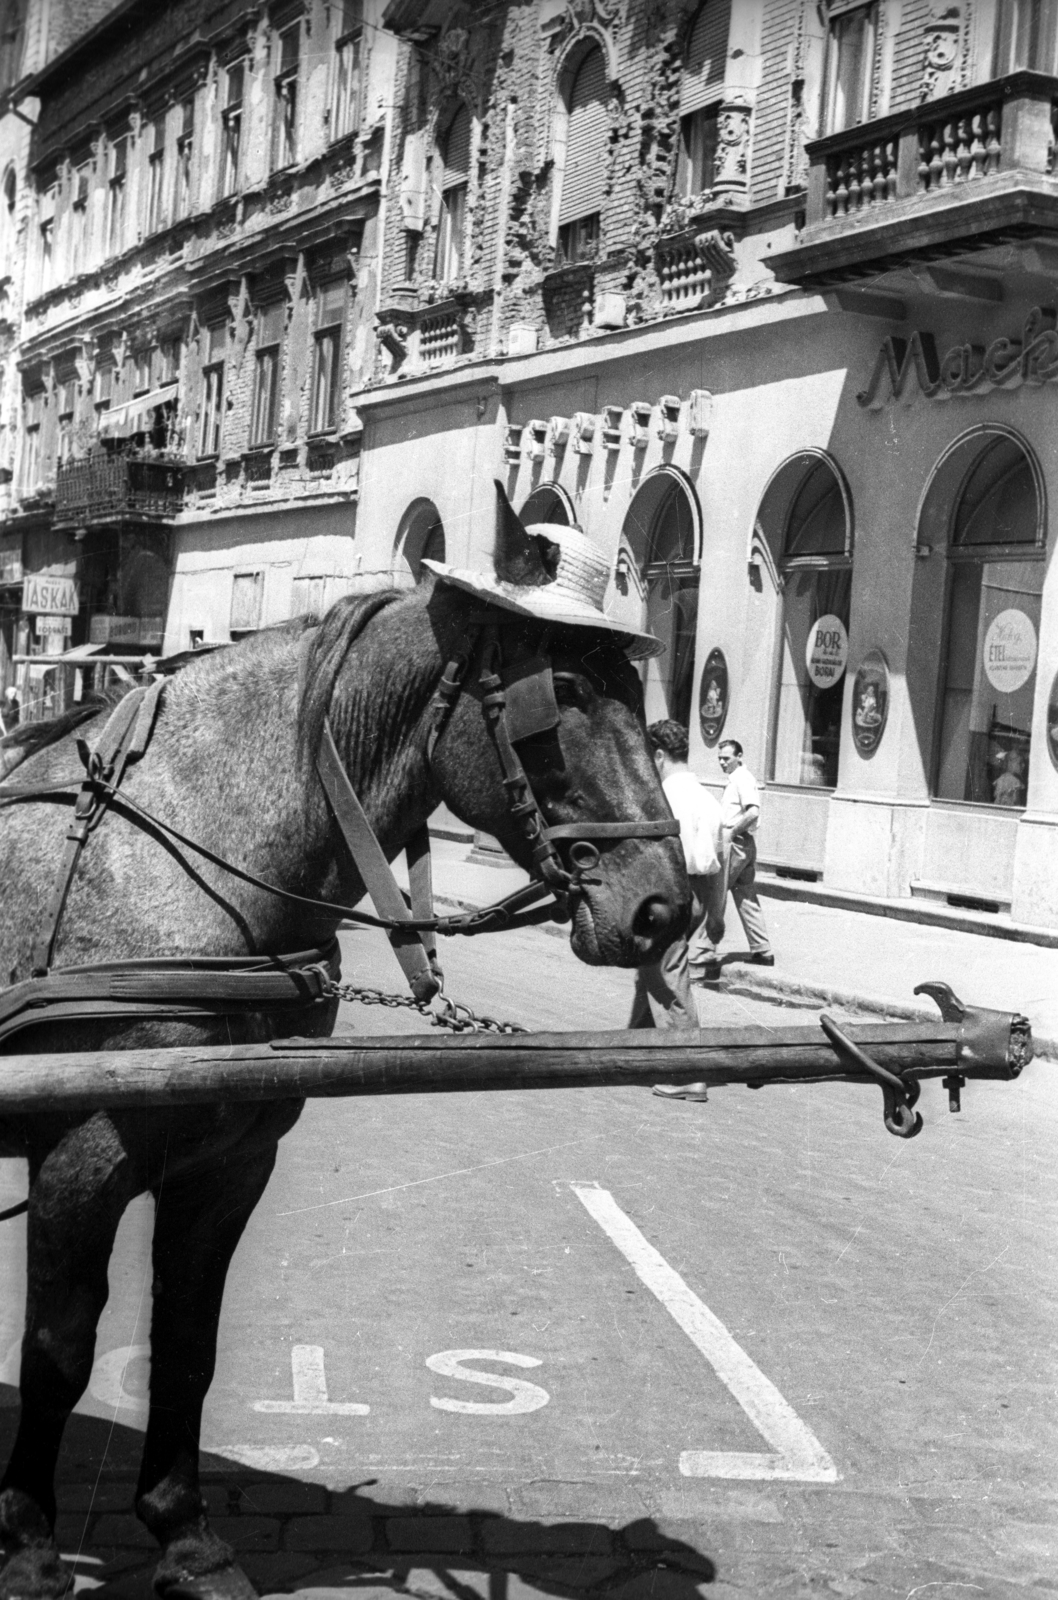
(214, 344)
(104, 381)
(12, 24)
(33, 410)
(171, 357)
(79, 225)
(1025, 36)
(285, 125)
(46, 234)
(851, 44)
(67, 401)
(701, 90)
(270, 321)
(816, 563)
(156, 174)
(995, 580)
(247, 591)
(10, 191)
(662, 529)
(184, 146)
(420, 537)
(232, 131)
(141, 371)
(117, 162)
(586, 160)
(345, 106)
(549, 503)
(454, 152)
(327, 368)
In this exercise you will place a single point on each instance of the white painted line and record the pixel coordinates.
(107, 1383)
(525, 1397)
(310, 1390)
(796, 1452)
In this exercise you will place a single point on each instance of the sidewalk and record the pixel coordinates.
(835, 956)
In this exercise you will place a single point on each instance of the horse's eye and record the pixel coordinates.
(570, 690)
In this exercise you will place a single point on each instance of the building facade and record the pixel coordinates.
(758, 293)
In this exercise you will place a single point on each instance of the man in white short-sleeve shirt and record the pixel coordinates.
(740, 813)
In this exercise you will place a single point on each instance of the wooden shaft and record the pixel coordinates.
(430, 1064)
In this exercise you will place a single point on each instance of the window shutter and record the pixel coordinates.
(457, 149)
(584, 180)
(703, 74)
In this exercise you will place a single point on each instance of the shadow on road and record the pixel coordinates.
(291, 1533)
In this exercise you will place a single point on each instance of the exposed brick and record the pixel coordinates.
(272, 1499)
(248, 1533)
(502, 1537)
(123, 1531)
(448, 1535)
(354, 1534)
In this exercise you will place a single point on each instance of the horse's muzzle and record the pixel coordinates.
(658, 920)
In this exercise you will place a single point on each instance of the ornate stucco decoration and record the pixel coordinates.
(733, 129)
(942, 64)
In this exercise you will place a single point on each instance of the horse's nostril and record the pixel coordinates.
(655, 917)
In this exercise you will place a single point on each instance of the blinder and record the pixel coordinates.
(531, 705)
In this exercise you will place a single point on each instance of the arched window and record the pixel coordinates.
(584, 174)
(549, 503)
(995, 580)
(662, 529)
(805, 519)
(420, 536)
(454, 157)
(701, 91)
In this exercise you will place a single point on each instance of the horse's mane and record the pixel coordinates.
(335, 634)
(29, 737)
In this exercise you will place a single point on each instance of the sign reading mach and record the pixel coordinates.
(55, 597)
(966, 368)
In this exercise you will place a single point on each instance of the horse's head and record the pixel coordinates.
(549, 692)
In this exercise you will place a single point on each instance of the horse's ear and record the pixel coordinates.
(518, 556)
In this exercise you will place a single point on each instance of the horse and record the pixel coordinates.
(230, 765)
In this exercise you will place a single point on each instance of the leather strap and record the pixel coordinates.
(371, 863)
(124, 738)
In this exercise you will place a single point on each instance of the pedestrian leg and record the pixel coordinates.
(743, 884)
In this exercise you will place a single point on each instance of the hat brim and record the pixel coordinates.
(546, 604)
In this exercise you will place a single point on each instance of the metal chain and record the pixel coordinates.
(459, 1018)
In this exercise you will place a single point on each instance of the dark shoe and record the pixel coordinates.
(762, 958)
(681, 1091)
(706, 971)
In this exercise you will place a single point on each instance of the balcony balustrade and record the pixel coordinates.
(973, 163)
(100, 489)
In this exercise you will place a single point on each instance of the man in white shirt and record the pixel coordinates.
(740, 813)
(663, 996)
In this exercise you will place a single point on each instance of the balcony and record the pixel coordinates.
(950, 177)
(102, 489)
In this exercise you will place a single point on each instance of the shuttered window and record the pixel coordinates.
(455, 173)
(457, 149)
(703, 74)
(584, 180)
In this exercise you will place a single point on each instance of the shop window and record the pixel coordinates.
(270, 320)
(285, 113)
(247, 593)
(156, 174)
(662, 530)
(345, 102)
(185, 141)
(327, 357)
(117, 164)
(701, 90)
(809, 503)
(995, 581)
(231, 118)
(852, 40)
(454, 152)
(215, 338)
(586, 160)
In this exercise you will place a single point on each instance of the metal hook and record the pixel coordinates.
(898, 1094)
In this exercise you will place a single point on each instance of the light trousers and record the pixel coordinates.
(664, 997)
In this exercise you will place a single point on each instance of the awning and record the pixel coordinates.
(135, 416)
(85, 655)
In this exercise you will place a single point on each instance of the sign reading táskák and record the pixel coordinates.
(1009, 651)
(56, 597)
(827, 651)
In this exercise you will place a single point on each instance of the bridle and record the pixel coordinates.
(523, 707)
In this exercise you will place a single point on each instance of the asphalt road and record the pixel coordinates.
(818, 1359)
